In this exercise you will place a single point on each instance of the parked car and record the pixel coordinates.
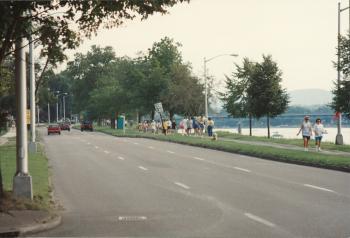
(86, 125)
(54, 128)
(65, 126)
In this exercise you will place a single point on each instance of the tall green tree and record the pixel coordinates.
(341, 91)
(237, 101)
(267, 97)
(54, 22)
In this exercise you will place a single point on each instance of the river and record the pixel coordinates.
(291, 132)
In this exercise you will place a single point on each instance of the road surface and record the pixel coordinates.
(125, 187)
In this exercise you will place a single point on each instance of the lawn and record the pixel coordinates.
(38, 169)
(295, 142)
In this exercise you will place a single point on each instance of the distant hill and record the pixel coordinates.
(308, 97)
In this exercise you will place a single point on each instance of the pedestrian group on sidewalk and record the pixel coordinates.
(197, 126)
(306, 129)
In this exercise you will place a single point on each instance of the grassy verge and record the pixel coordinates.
(295, 142)
(38, 169)
(284, 155)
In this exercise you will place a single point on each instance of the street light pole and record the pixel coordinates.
(339, 137)
(22, 181)
(32, 144)
(206, 80)
(206, 88)
(48, 113)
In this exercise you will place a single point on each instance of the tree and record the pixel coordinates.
(341, 98)
(237, 101)
(53, 23)
(341, 92)
(267, 96)
(185, 94)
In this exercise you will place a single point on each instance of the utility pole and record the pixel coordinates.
(64, 108)
(57, 110)
(48, 113)
(22, 181)
(32, 144)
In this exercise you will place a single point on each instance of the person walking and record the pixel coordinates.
(210, 127)
(306, 129)
(319, 131)
(189, 126)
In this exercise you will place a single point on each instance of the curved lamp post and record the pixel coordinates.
(205, 78)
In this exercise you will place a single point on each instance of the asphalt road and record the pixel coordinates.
(120, 187)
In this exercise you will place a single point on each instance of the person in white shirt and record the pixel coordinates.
(319, 131)
(306, 129)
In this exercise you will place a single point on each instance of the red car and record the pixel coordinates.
(64, 126)
(55, 128)
(86, 125)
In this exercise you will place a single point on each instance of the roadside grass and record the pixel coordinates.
(38, 169)
(295, 142)
(314, 159)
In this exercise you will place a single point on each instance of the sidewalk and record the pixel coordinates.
(24, 222)
(10, 133)
(288, 147)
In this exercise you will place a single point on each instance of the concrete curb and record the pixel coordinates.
(52, 222)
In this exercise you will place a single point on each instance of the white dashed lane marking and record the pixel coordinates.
(135, 143)
(121, 158)
(150, 147)
(197, 158)
(259, 219)
(319, 188)
(96, 147)
(143, 168)
(171, 152)
(241, 169)
(182, 185)
(107, 152)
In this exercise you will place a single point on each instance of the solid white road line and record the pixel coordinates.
(241, 169)
(259, 219)
(150, 147)
(143, 168)
(197, 158)
(121, 158)
(182, 185)
(171, 152)
(96, 147)
(319, 188)
(107, 152)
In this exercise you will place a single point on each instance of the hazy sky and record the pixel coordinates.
(301, 35)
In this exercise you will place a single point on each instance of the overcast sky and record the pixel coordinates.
(301, 36)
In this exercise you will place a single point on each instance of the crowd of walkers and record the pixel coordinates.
(197, 126)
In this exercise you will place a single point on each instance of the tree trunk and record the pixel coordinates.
(152, 115)
(137, 117)
(112, 122)
(99, 121)
(268, 126)
(171, 115)
(250, 124)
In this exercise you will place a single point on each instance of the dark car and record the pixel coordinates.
(53, 129)
(86, 126)
(65, 126)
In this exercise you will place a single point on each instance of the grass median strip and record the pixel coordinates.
(283, 141)
(335, 162)
(38, 169)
